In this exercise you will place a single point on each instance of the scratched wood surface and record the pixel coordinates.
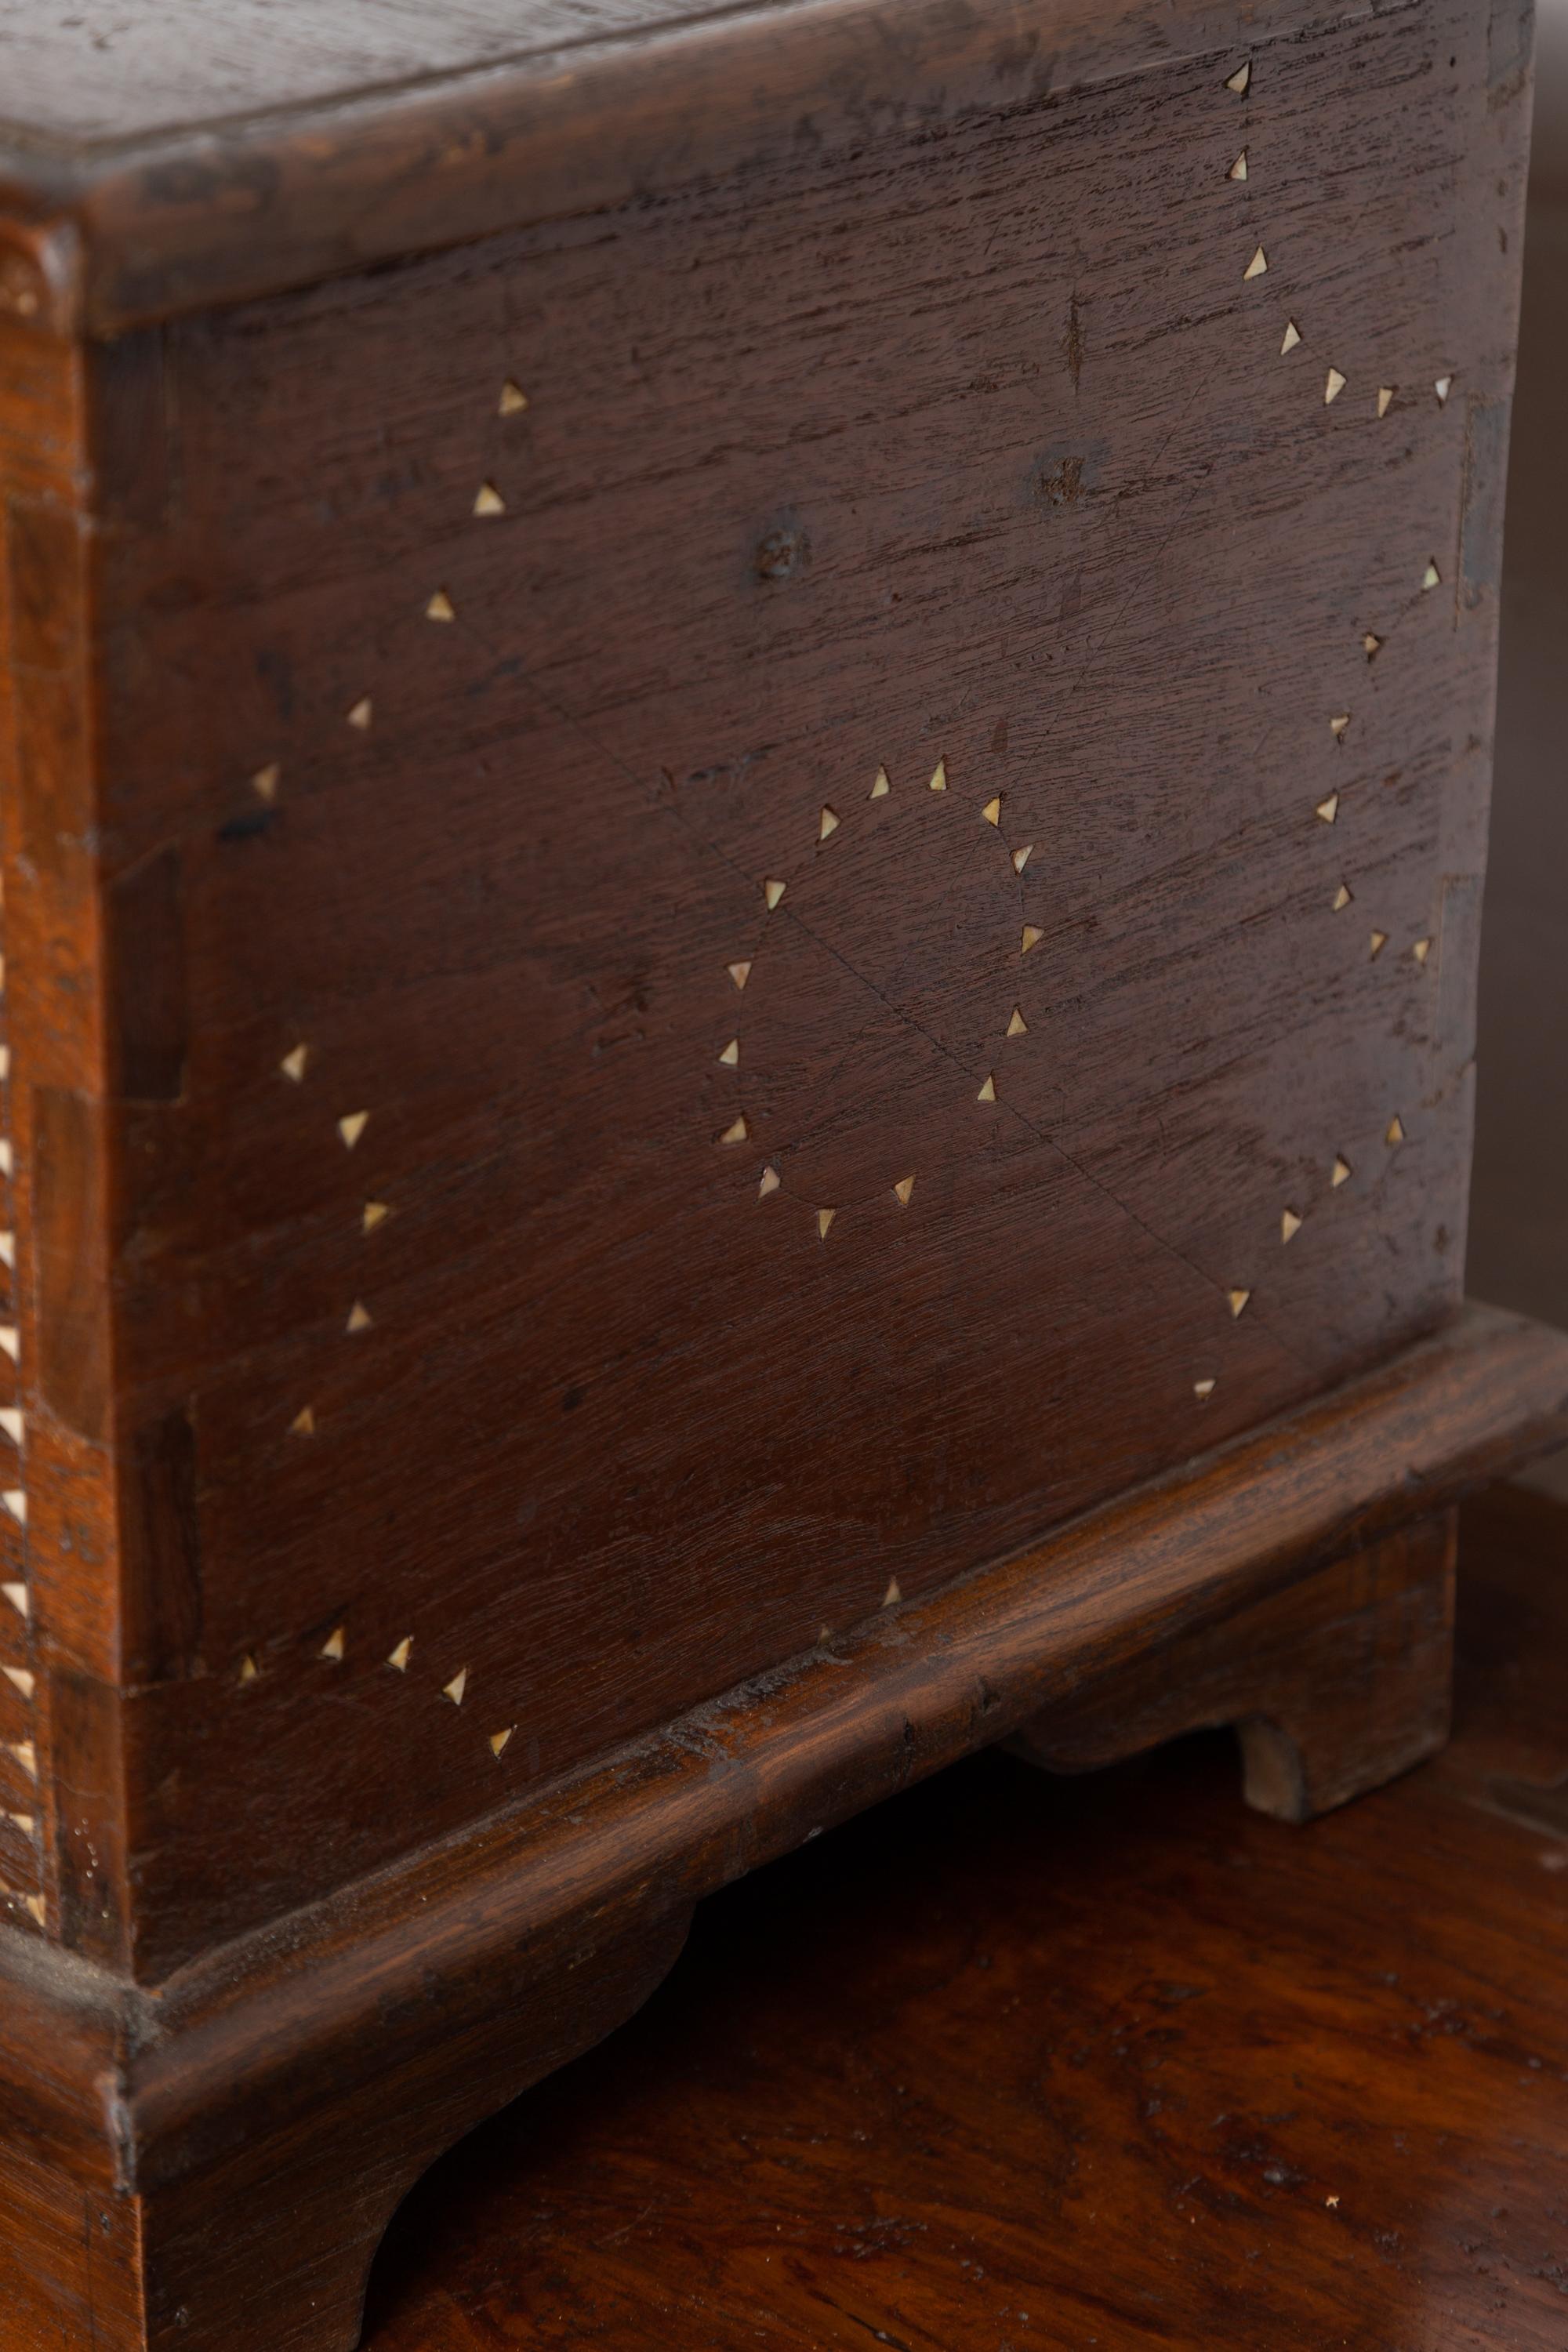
(1066, 2064)
(98, 74)
(789, 885)
(152, 163)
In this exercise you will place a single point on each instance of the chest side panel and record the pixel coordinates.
(794, 884)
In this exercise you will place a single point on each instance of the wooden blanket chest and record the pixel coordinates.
(743, 796)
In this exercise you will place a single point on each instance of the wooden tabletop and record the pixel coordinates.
(1023, 2065)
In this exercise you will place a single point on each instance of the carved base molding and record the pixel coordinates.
(213, 2163)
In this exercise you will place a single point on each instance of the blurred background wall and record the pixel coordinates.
(1518, 1216)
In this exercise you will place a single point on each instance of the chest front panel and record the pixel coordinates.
(801, 867)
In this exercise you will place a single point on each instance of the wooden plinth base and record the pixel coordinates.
(212, 2164)
(1334, 1684)
(1109, 2052)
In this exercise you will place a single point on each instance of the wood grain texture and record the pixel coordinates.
(58, 1566)
(272, 2102)
(1014, 478)
(359, 137)
(748, 888)
(1100, 2064)
(1346, 1674)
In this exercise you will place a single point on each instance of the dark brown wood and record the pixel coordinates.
(1107, 2064)
(580, 1417)
(750, 884)
(1334, 1685)
(157, 172)
(274, 2102)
